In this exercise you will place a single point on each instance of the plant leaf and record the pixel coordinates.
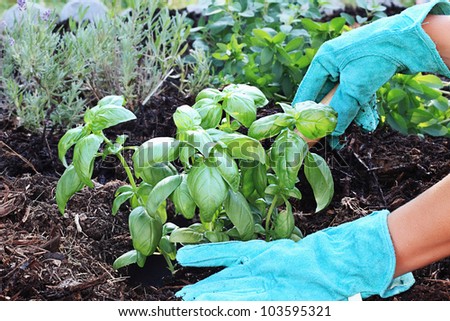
(154, 173)
(183, 201)
(84, 155)
(161, 192)
(210, 93)
(284, 223)
(265, 127)
(186, 235)
(200, 139)
(319, 177)
(68, 184)
(119, 200)
(227, 168)
(207, 188)
(70, 138)
(110, 115)
(244, 147)
(125, 259)
(210, 112)
(287, 154)
(186, 118)
(146, 231)
(155, 150)
(314, 120)
(111, 100)
(240, 214)
(241, 107)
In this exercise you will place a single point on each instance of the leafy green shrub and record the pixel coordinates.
(228, 183)
(49, 77)
(414, 104)
(268, 44)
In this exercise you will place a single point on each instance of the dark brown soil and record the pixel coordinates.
(46, 256)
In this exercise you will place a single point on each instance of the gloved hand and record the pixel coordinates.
(363, 59)
(332, 264)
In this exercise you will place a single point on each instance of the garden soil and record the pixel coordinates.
(47, 256)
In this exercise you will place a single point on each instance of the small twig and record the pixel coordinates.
(438, 281)
(361, 161)
(26, 161)
(77, 223)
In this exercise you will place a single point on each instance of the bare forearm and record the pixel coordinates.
(437, 27)
(420, 229)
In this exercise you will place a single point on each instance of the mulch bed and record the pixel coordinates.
(46, 256)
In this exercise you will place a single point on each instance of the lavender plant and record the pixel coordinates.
(49, 77)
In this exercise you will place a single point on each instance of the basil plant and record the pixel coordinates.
(217, 172)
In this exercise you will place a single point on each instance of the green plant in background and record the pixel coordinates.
(414, 104)
(268, 44)
(226, 182)
(49, 77)
(373, 10)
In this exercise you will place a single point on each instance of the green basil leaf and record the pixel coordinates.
(319, 177)
(70, 138)
(125, 259)
(123, 189)
(110, 115)
(210, 112)
(183, 200)
(167, 247)
(208, 190)
(68, 184)
(215, 236)
(111, 100)
(119, 200)
(241, 107)
(146, 231)
(186, 235)
(200, 140)
(284, 223)
(155, 150)
(247, 178)
(260, 178)
(227, 168)
(210, 93)
(265, 127)
(244, 147)
(84, 155)
(314, 120)
(140, 259)
(186, 118)
(254, 93)
(161, 192)
(239, 212)
(288, 153)
(154, 173)
(141, 195)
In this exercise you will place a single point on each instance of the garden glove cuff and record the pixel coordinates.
(362, 60)
(332, 264)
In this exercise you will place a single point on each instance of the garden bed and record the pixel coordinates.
(45, 256)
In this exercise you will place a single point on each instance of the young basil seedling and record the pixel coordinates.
(225, 181)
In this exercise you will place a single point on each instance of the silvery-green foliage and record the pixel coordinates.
(49, 77)
(17, 13)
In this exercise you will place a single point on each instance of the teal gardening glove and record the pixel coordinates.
(332, 264)
(363, 59)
